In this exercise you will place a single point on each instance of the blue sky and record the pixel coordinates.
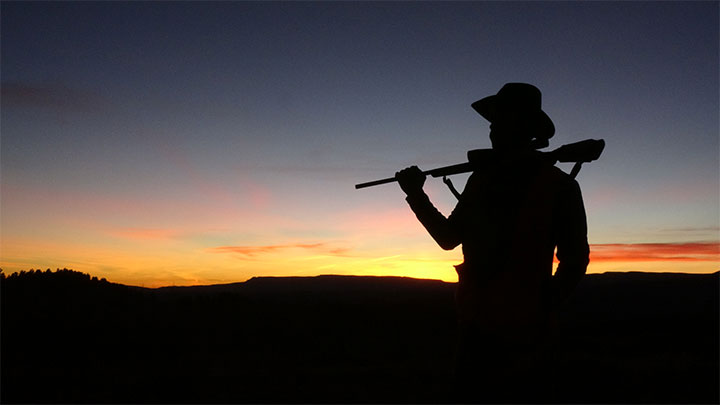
(239, 123)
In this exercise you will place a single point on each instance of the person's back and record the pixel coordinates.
(515, 210)
(510, 218)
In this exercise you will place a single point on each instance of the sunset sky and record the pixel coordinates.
(161, 143)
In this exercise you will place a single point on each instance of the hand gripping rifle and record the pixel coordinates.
(578, 152)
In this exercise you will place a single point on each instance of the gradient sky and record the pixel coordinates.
(160, 143)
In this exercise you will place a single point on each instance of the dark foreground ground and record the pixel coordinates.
(66, 338)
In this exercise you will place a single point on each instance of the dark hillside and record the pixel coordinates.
(70, 338)
(643, 338)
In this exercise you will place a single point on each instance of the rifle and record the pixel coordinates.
(578, 152)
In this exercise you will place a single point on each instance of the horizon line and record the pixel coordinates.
(341, 276)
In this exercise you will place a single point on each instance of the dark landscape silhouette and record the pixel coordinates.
(70, 338)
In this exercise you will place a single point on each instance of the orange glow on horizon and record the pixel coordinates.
(139, 263)
(656, 252)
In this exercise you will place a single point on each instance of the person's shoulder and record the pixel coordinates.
(473, 180)
(476, 182)
(558, 173)
(559, 178)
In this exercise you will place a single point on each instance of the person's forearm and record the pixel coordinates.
(434, 222)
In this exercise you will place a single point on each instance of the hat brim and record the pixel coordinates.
(488, 109)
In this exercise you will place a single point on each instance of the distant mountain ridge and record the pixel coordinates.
(333, 280)
(325, 282)
(328, 281)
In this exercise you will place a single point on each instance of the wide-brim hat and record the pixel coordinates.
(517, 101)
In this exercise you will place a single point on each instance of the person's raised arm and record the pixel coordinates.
(411, 181)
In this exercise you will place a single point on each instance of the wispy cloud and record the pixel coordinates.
(145, 233)
(710, 230)
(655, 252)
(54, 96)
(255, 250)
(610, 252)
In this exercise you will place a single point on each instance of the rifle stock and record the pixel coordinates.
(578, 152)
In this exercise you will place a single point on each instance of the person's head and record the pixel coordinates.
(517, 120)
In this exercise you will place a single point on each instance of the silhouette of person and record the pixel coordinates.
(515, 210)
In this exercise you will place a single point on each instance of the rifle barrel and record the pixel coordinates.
(437, 172)
(375, 183)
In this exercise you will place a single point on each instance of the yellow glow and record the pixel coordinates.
(154, 262)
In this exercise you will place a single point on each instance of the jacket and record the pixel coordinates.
(511, 217)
